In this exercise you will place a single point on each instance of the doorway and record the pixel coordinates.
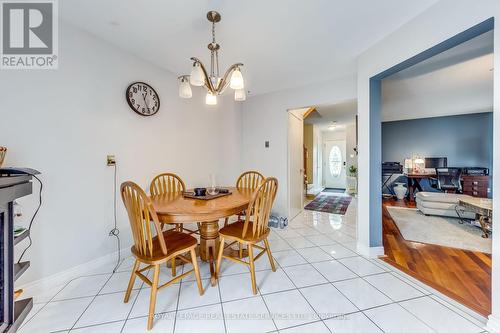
(295, 161)
(415, 257)
(334, 164)
(322, 154)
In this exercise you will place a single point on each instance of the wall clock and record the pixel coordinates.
(143, 99)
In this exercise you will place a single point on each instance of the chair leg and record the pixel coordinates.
(226, 221)
(194, 261)
(269, 254)
(132, 281)
(240, 252)
(173, 264)
(219, 256)
(152, 299)
(252, 268)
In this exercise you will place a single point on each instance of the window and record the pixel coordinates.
(335, 161)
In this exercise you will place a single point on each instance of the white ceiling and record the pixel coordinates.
(342, 114)
(457, 81)
(283, 43)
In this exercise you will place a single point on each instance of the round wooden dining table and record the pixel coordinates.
(175, 208)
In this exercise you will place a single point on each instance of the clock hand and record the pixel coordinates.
(144, 98)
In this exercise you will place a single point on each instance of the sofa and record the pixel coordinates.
(442, 204)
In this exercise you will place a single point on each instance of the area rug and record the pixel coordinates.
(327, 202)
(439, 230)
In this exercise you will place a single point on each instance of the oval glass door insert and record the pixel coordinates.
(335, 161)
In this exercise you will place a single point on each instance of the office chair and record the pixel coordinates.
(448, 180)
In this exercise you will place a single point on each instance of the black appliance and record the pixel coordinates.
(476, 171)
(14, 184)
(436, 162)
(391, 168)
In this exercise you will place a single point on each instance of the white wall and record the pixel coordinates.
(338, 134)
(265, 118)
(64, 123)
(440, 22)
(351, 144)
(317, 157)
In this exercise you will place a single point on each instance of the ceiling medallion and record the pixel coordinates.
(214, 84)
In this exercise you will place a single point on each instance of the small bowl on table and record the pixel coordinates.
(200, 191)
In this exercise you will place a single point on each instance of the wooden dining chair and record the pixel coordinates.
(253, 230)
(170, 183)
(166, 183)
(153, 246)
(249, 180)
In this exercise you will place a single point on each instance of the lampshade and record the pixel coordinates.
(237, 80)
(240, 95)
(184, 88)
(197, 77)
(211, 99)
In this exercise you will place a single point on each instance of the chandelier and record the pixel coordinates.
(213, 82)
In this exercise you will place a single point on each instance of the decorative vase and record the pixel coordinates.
(3, 152)
(400, 191)
(352, 185)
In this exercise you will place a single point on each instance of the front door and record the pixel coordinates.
(334, 164)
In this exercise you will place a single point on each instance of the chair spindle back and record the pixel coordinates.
(259, 208)
(142, 218)
(250, 180)
(166, 183)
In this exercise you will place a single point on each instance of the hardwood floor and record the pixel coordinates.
(462, 275)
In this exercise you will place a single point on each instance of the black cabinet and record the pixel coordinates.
(11, 313)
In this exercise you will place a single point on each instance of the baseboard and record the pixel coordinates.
(493, 325)
(370, 252)
(74, 272)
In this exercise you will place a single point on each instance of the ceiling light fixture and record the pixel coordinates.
(333, 126)
(214, 84)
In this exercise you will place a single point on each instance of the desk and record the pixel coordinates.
(174, 208)
(414, 182)
(483, 208)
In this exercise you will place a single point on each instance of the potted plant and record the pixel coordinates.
(353, 171)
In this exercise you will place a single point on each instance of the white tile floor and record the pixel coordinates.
(321, 285)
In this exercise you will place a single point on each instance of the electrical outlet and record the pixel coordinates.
(111, 160)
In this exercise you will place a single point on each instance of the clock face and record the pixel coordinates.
(143, 99)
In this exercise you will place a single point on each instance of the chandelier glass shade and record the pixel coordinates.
(211, 80)
(240, 95)
(184, 87)
(211, 99)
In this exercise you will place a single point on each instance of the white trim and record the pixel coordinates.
(292, 113)
(493, 324)
(369, 252)
(77, 271)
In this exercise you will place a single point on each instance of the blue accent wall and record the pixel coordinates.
(466, 140)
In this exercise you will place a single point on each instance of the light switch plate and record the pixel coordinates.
(266, 144)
